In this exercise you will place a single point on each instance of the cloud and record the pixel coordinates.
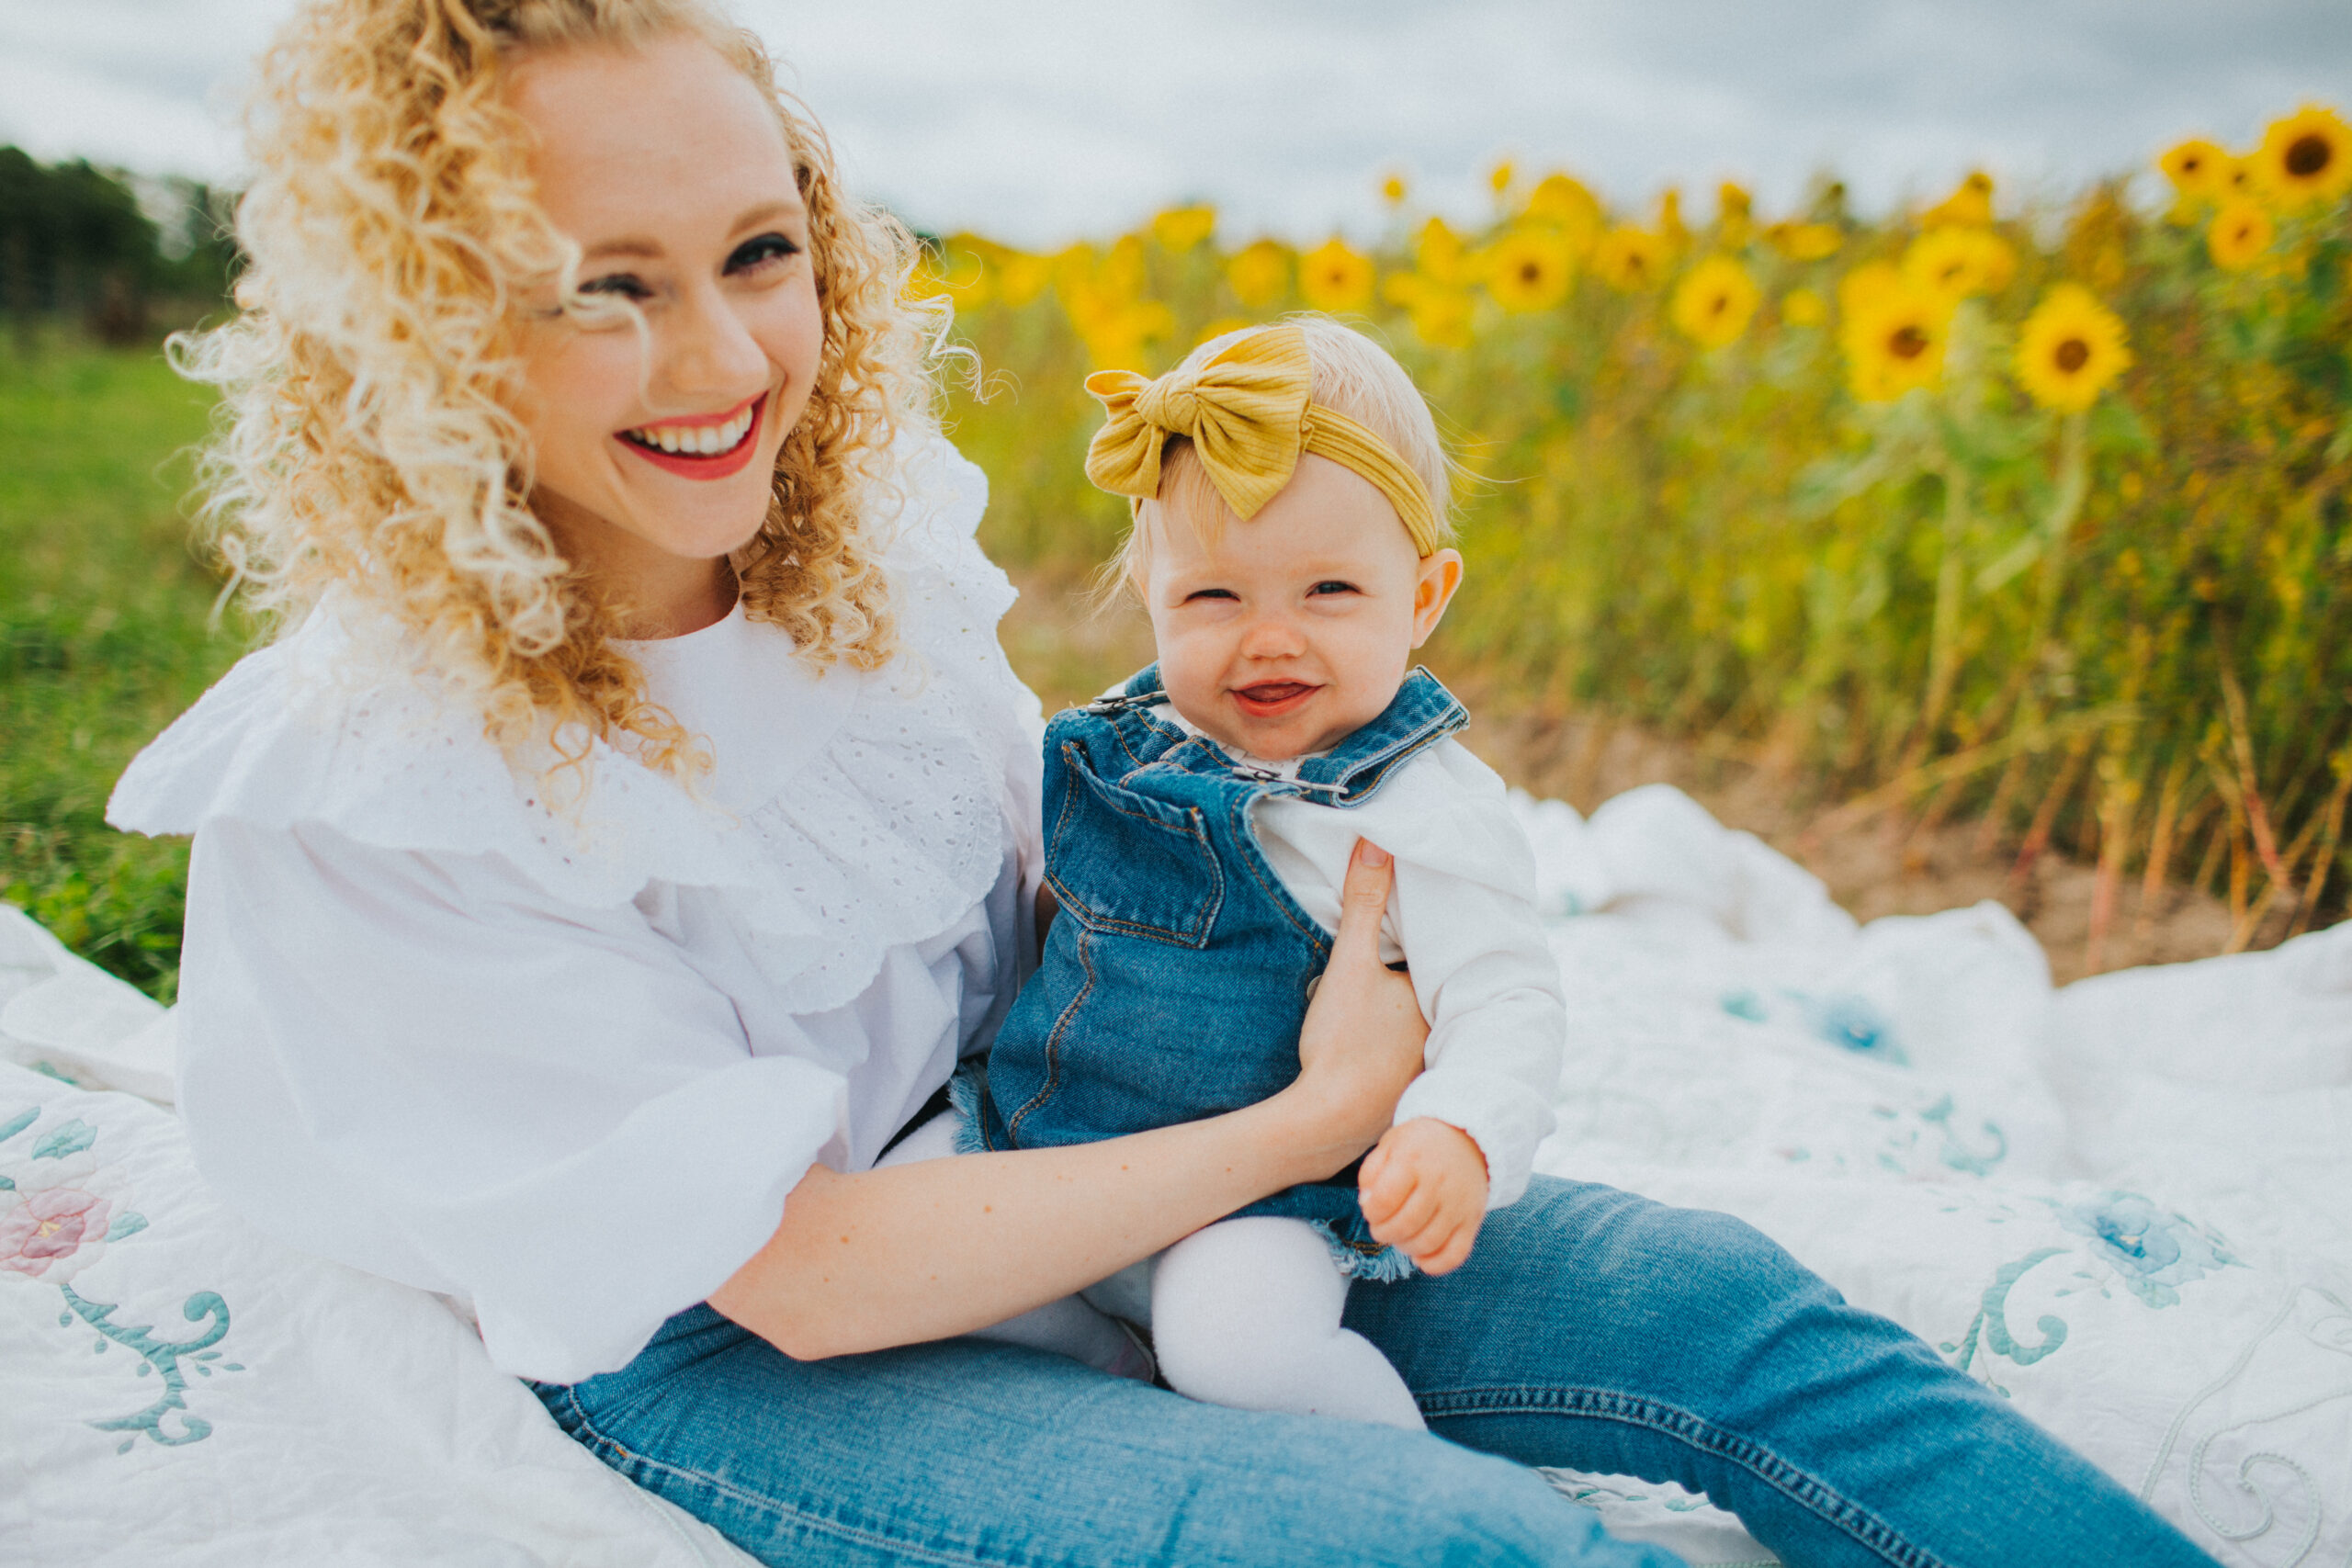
(1041, 119)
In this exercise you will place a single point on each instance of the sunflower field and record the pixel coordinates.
(2039, 517)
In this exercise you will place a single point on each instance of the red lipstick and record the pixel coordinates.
(695, 465)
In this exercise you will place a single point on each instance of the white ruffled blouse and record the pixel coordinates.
(565, 1066)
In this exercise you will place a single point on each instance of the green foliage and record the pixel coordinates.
(104, 636)
(76, 242)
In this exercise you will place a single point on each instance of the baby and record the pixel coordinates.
(1289, 543)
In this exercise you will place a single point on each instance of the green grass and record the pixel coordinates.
(106, 634)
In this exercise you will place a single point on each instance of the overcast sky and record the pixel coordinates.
(1039, 121)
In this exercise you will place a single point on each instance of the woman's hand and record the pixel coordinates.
(1362, 1043)
(924, 1250)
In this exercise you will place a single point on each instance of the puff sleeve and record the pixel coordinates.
(424, 1065)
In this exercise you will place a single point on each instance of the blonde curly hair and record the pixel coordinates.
(364, 445)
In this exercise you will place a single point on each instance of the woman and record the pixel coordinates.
(630, 838)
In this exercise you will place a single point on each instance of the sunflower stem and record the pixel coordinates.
(1943, 637)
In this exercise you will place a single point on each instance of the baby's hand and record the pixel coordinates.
(1423, 1189)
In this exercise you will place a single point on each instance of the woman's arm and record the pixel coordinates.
(923, 1251)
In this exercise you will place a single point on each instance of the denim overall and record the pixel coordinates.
(1173, 985)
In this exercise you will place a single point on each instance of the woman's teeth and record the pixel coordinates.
(694, 440)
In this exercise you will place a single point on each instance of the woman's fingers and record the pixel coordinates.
(1364, 900)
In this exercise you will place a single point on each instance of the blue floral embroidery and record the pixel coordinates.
(1847, 1021)
(164, 1358)
(53, 1223)
(1958, 1155)
(2153, 1252)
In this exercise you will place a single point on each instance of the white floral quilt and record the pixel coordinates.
(2127, 1205)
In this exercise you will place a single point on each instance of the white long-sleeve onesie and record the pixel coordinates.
(1247, 1312)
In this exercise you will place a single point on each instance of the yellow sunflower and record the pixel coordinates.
(1439, 254)
(1260, 274)
(2196, 169)
(1335, 277)
(1020, 277)
(1072, 268)
(2241, 232)
(1972, 203)
(1802, 308)
(1805, 241)
(1894, 339)
(1115, 332)
(1528, 269)
(2071, 348)
(1440, 311)
(1392, 191)
(1861, 288)
(1122, 273)
(1671, 227)
(954, 271)
(1958, 262)
(1734, 213)
(1562, 201)
(1714, 301)
(1630, 258)
(1182, 227)
(2304, 158)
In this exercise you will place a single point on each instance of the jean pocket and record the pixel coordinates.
(1123, 861)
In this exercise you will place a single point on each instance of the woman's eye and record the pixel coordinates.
(1333, 586)
(761, 252)
(626, 285)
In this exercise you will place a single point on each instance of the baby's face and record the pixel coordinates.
(1287, 633)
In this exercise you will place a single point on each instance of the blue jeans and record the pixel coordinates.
(1591, 1330)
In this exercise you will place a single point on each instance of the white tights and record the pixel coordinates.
(1245, 1313)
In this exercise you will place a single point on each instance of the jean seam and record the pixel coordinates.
(1792, 1480)
(1253, 860)
(606, 1447)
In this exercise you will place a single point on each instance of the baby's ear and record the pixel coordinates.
(1440, 574)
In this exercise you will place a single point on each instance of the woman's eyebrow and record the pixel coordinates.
(640, 246)
(769, 212)
(629, 246)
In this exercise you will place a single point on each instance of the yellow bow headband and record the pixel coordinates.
(1248, 416)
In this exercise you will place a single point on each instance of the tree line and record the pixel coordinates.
(79, 244)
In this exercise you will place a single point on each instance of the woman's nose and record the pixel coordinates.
(709, 355)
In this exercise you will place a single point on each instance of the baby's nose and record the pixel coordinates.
(1272, 637)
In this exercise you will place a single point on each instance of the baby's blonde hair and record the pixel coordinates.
(1354, 376)
(366, 445)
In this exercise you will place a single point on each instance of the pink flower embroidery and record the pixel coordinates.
(50, 1226)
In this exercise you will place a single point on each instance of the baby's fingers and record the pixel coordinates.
(1450, 1254)
(1411, 1218)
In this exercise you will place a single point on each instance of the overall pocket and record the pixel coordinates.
(1122, 861)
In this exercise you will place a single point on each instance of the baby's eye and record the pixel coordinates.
(764, 251)
(1209, 593)
(1331, 586)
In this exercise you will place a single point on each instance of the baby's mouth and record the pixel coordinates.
(1269, 699)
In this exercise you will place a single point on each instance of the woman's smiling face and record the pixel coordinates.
(656, 451)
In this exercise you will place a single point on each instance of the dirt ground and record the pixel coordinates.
(1891, 865)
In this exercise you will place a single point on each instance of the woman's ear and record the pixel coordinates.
(1440, 574)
